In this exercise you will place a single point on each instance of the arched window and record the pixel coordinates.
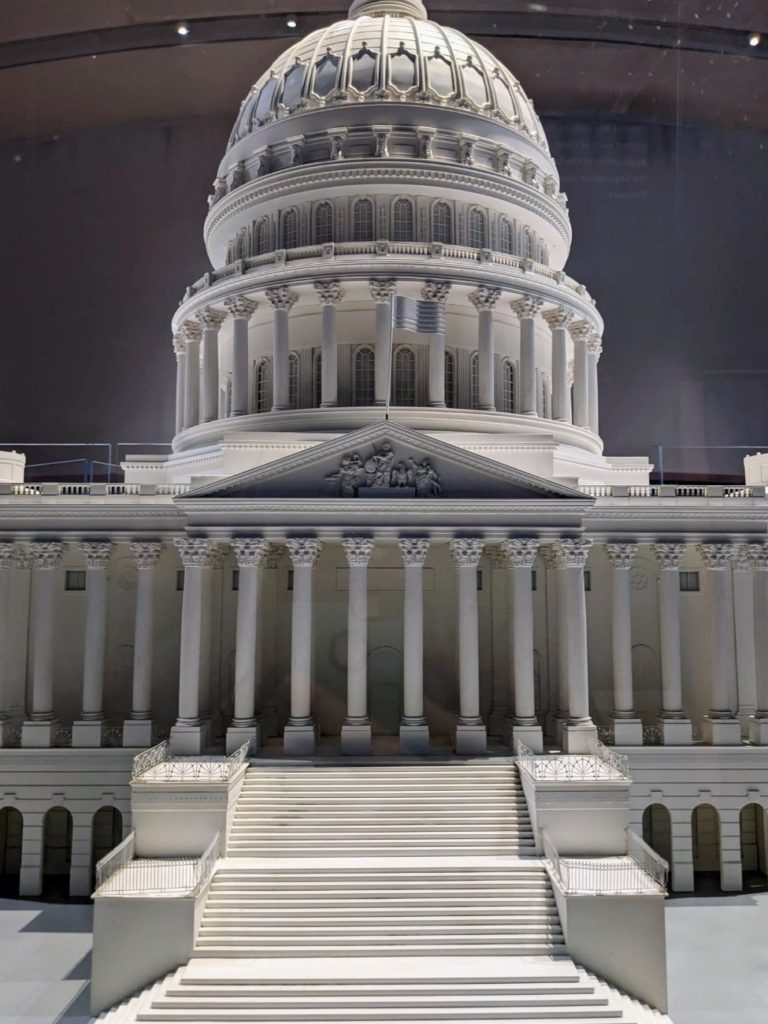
(323, 224)
(474, 83)
(705, 826)
(402, 69)
(292, 86)
(57, 852)
(442, 223)
(504, 99)
(505, 236)
(363, 69)
(477, 234)
(262, 236)
(262, 386)
(404, 377)
(529, 245)
(363, 383)
(507, 386)
(293, 381)
(11, 829)
(290, 229)
(440, 74)
(544, 255)
(362, 221)
(326, 71)
(474, 381)
(450, 380)
(752, 837)
(318, 379)
(106, 833)
(402, 221)
(266, 98)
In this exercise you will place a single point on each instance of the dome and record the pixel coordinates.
(387, 51)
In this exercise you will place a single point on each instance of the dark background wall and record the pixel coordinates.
(102, 231)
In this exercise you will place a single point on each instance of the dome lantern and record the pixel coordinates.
(378, 8)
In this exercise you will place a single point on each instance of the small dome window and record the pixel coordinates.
(363, 69)
(505, 236)
(402, 69)
(440, 74)
(474, 83)
(266, 100)
(292, 86)
(402, 221)
(326, 73)
(503, 94)
(363, 221)
(290, 229)
(323, 224)
(442, 224)
(477, 235)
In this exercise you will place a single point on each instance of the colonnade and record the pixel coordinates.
(574, 383)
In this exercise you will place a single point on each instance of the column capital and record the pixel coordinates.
(758, 556)
(570, 552)
(485, 297)
(594, 344)
(8, 554)
(97, 553)
(436, 291)
(196, 552)
(304, 551)
(330, 293)
(580, 330)
(281, 298)
(741, 557)
(192, 331)
(146, 553)
(179, 343)
(382, 290)
(240, 307)
(413, 550)
(668, 556)
(519, 552)
(466, 552)
(527, 307)
(621, 556)
(46, 554)
(210, 318)
(558, 317)
(250, 552)
(716, 556)
(358, 550)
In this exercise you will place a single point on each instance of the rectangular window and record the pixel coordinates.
(290, 579)
(74, 579)
(587, 579)
(479, 579)
(533, 579)
(689, 581)
(179, 579)
(235, 579)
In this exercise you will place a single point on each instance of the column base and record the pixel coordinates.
(237, 735)
(470, 738)
(758, 731)
(721, 732)
(580, 737)
(676, 732)
(414, 739)
(530, 735)
(356, 738)
(628, 732)
(88, 733)
(137, 732)
(299, 739)
(189, 739)
(38, 734)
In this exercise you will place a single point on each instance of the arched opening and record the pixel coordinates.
(404, 376)
(262, 386)
(508, 386)
(323, 224)
(752, 835)
(106, 833)
(262, 237)
(450, 380)
(442, 224)
(318, 380)
(293, 381)
(57, 852)
(402, 221)
(11, 829)
(363, 383)
(529, 245)
(477, 232)
(290, 229)
(505, 236)
(657, 830)
(362, 221)
(474, 381)
(705, 826)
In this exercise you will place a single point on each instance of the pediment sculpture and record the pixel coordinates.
(382, 474)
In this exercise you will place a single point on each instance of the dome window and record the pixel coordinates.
(262, 236)
(505, 236)
(442, 224)
(474, 83)
(292, 86)
(504, 99)
(363, 69)
(529, 249)
(477, 232)
(266, 100)
(402, 69)
(474, 381)
(363, 380)
(262, 386)
(323, 224)
(293, 381)
(404, 377)
(402, 221)
(450, 380)
(290, 230)
(362, 221)
(440, 74)
(508, 386)
(318, 379)
(326, 73)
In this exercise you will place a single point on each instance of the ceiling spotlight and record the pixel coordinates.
(755, 39)
(182, 28)
(292, 21)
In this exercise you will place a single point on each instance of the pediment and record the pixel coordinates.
(385, 461)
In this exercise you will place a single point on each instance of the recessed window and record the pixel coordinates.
(290, 230)
(508, 386)
(363, 70)
(440, 74)
(534, 581)
(325, 74)
(293, 381)
(477, 235)
(363, 221)
(363, 392)
(179, 579)
(587, 579)
(74, 579)
(689, 582)
(474, 381)
(235, 579)
(479, 579)
(504, 100)
(404, 382)
(266, 97)
(505, 236)
(402, 67)
(292, 86)
(262, 386)
(290, 579)
(323, 224)
(450, 379)
(474, 83)
(402, 221)
(442, 226)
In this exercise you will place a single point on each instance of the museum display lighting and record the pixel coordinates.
(182, 28)
(755, 39)
(292, 21)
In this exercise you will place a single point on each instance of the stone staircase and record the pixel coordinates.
(399, 892)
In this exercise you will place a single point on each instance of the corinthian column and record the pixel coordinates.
(192, 335)
(330, 294)
(137, 730)
(594, 349)
(241, 309)
(721, 727)
(414, 732)
(210, 320)
(382, 293)
(580, 332)
(436, 291)
(570, 555)
(251, 554)
(675, 727)
(88, 732)
(758, 725)
(471, 736)
(558, 319)
(282, 301)
(356, 731)
(627, 727)
(484, 299)
(180, 348)
(299, 733)
(527, 309)
(519, 555)
(46, 559)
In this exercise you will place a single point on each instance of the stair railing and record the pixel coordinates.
(640, 871)
(175, 876)
(166, 768)
(648, 859)
(600, 763)
(115, 859)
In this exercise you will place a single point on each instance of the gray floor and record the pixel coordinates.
(717, 957)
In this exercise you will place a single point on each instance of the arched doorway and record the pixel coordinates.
(11, 828)
(385, 670)
(106, 833)
(752, 834)
(657, 830)
(705, 826)
(57, 853)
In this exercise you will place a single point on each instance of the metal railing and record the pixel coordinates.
(640, 871)
(165, 768)
(91, 490)
(648, 859)
(672, 491)
(117, 858)
(600, 763)
(175, 876)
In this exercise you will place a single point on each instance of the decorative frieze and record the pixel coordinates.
(358, 550)
(466, 552)
(146, 553)
(413, 550)
(621, 556)
(196, 552)
(250, 552)
(668, 556)
(304, 551)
